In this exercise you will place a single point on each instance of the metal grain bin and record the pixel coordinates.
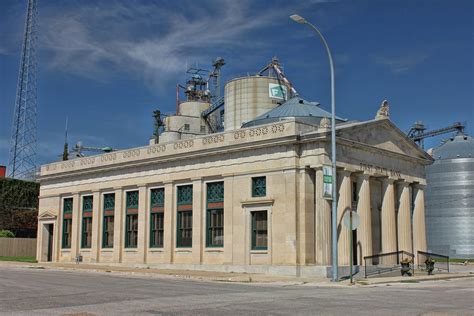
(450, 198)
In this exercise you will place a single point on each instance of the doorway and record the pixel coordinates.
(48, 241)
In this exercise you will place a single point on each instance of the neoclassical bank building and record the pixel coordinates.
(250, 198)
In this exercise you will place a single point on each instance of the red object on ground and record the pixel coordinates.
(3, 171)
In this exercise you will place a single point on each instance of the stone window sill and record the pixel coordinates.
(184, 250)
(156, 250)
(218, 250)
(259, 252)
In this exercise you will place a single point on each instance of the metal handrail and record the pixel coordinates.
(399, 256)
(434, 256)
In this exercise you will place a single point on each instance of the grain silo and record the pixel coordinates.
(249, 97)
(450, 198)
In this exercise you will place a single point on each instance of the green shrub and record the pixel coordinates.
(6, 234)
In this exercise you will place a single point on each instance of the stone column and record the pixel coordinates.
(322, 229)
(388, 220)
(119, 223)
(404, 220)
(344, 203)
(364, 231)
(419, 230)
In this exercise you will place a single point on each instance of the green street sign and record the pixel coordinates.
(327, 178)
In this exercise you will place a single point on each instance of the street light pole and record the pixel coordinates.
(301, 20)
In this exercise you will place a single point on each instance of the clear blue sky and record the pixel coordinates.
(108, 64)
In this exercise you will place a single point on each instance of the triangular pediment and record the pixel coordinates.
(382, 134)
(47, 215)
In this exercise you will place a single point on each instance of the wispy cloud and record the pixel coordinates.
(403, 62)
(143, 39)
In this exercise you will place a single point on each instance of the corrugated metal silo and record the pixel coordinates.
(450, 198)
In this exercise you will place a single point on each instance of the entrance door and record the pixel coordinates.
(49, 233)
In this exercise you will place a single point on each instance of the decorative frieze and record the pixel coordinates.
(143, 152)
(184, 144)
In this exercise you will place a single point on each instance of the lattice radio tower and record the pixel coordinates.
(22, 163)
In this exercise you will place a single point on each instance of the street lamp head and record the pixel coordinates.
(298, 19)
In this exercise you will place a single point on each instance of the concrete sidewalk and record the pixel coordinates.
(213, 276)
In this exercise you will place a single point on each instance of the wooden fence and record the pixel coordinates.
(18, 247)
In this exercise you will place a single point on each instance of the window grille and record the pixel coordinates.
(259, 186)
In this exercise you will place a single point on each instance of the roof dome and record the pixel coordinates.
(296, 107)
(460, 146)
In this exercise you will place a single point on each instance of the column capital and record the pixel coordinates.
(419, 186)
(344, 172)
(362, 175)
(402, 182)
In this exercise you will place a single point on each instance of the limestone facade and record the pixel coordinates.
(380, 175)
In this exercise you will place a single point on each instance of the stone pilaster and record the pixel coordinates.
(322, 223)
(388, 220)
(169, 224)
(228, 219)
(119, 223)
(95, 246)
(143, 214)
(404, 220)
(198, 220)
(343, 205)
(364, 231)
(76, 226)
(419, 230)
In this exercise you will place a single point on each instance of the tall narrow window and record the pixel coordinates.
(184, 218)
(259, 230)
(259, 186)
(157, 204)
(86, 240)
(67, 223)
(131, 220)
(108, 221)
(215, 215)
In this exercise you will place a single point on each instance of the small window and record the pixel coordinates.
(132, 199)
(86, 232)
(259, 230)
(259, 186)
(203, 128)
(157, 230)
(108, 232)
(186, 127)
(67, 230)
(185, 229)
(215, 228)
(131, 231)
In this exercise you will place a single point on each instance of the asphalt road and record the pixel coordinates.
(39, 292)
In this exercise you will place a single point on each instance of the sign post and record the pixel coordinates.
(351, 220)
